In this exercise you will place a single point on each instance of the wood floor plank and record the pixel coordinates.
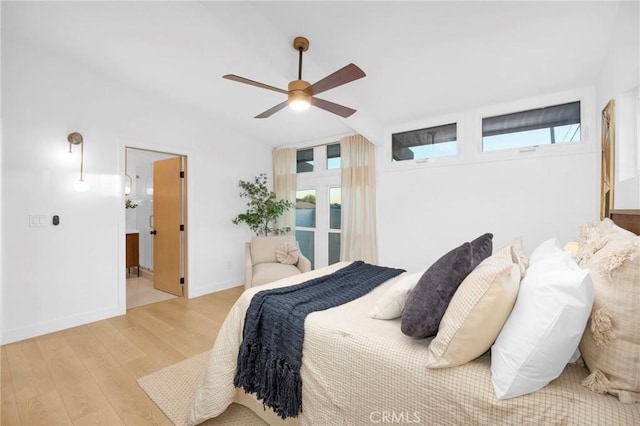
(105, 416)
(118, 384)
(9, 409)
(154, 344)
(88, 375)
(116, 342)
(144, 316)
(79, 392)
(29, 373)
(45, 408)
(9, 414)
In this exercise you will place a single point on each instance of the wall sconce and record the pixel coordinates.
(128, 184)
(75, 138)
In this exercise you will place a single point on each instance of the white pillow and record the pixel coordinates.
(543, 331)
(391, 303)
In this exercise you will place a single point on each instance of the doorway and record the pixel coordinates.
(155, 201)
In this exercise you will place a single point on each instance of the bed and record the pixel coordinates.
(357, 370)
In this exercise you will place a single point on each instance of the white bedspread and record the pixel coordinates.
(360, 371)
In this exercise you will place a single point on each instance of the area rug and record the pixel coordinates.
(172, 388)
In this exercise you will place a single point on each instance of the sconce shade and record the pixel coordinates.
(75, 138)
(128, 185)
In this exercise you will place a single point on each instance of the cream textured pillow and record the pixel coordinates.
(287, 253)
(476, 313)
(391, 303)
(610, 345)
(514, 251)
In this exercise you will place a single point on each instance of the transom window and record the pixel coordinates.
(541, 126)
(438, 141)
(333, 156)
(304, 158)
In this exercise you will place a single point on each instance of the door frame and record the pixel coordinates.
(124, 144)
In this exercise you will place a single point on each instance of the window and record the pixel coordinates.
(333, 156)
(304, 160)
(318, 205)
(439, 141)
(335, 212)
(306, 222)
(541, 126)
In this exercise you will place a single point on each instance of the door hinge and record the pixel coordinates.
(182, 227)
(181, 280)
(181, 174)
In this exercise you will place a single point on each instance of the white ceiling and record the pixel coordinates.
(421, 58)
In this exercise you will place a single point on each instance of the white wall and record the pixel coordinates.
(427, 209)
(55, 277)
(619, 80)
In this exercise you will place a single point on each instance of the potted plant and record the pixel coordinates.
(263, 207)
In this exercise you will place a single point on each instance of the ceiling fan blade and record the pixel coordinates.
(272, 110)
(253, 83)
(344, 75)
(340, 110)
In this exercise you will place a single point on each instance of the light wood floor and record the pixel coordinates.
(87, 375)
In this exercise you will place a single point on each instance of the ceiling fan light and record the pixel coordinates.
(299, 101)
(299, 105)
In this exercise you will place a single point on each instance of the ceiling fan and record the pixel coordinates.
(301, 94)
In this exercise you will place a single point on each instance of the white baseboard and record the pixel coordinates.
(211, 288)
(22, 333)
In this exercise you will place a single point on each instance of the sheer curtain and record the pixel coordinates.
(285, 182)
(358, 240)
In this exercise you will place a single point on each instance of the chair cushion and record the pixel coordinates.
(264, 273)
(263, 249)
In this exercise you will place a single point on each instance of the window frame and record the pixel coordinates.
(321, 180)
(469, 133)
(549, 128)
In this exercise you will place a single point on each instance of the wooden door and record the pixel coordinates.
(168, 238)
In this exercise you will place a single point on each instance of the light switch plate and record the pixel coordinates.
(38, 220)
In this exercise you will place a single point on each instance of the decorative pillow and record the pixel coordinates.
(263, 249)
(592, 237)
(287, 253)
(391, 303)
(514, 250)
(609, 228)
(610, 345)
(543, 330)
(428, 301)
(476, 313)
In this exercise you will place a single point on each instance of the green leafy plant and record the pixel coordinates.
(128, 204)
(263, 207)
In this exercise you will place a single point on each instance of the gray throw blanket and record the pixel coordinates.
(271, 351)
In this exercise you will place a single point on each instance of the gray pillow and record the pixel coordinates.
(429, 299)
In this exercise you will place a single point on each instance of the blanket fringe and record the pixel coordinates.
(273, 381)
